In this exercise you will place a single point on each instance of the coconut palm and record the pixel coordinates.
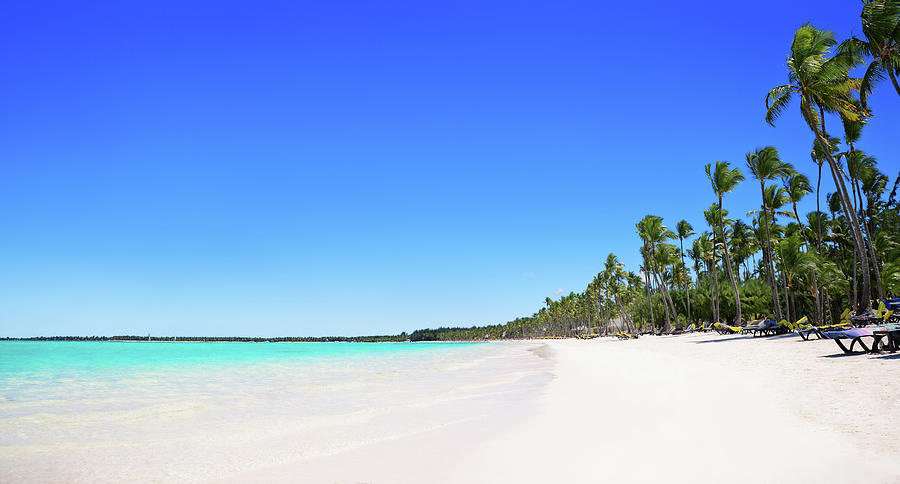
(797, 186)
(725, 180)
(793, 262)
(765, 164)
(684, 230)
(703, 248)
(823, 85)
(881, 27)
(818, 156)
(860, 164)
(653, 232)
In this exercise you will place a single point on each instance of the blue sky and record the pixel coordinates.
(337, 168)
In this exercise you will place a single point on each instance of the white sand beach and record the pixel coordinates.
(689, 408)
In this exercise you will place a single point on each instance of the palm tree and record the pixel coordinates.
(765, 164)
(881, 26)
(857, 163)
(725, 180)
(818, 156)
(685, 230)
(741, 246)
(703, 247)
(653, 232)
(793, 262)
(796, 187)
(823, 85)
(645, 268)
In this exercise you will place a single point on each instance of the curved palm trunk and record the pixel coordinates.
(767, 254)
(687, 291)
(787, 305)
(667, 300)
(715, 278)
(649, 299)
(893, 80)
(855, 294)
(734, 287)
(812, 270)
(662, 289)
(821, 294)
(853, 221)
(869, 239)
(859, 244)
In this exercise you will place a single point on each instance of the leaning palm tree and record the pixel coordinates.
(818, 156)
(856, 162)
(684, 230)
(823, 85)
(881, 26)
(725, 180)
(765, 164)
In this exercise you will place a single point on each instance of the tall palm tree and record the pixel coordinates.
(793, 262)
(796, 187)
(645, 268)
(823, 85)
(765, 164)
(684, 230)
(881, 27)
(725, 180)
(858, 162)
(741, 245)
(855, 159)
(653, 232)
(703, 247)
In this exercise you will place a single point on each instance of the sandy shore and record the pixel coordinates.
(690, 408)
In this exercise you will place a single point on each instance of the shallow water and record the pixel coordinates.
(140, 411)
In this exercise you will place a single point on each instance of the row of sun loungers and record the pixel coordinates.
(870, 332)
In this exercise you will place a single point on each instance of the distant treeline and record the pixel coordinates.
(236, 339)
(439, 334)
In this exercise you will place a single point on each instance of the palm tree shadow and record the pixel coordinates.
(722, 340)
(745, 337)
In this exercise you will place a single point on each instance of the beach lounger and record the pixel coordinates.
(757, 327)
(855, 335)
(726, 329)
(887, 337)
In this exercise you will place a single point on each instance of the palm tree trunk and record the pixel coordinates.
(855, 303)
(893, 79)
(715, 278)
(649, 299)
(734, 287)
(852, 220)
(787, 306)
(662, 290)
(767, 254)
(687, 291)
(870, 239)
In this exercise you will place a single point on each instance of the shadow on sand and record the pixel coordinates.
(744, 337)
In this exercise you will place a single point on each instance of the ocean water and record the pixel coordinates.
(157, 411)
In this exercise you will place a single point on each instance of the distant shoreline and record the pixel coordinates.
(241, 339)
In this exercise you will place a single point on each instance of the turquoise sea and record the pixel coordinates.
(149, 411)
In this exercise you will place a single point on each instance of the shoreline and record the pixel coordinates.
(684, 408)
(681, 408)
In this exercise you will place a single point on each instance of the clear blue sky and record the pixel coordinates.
(337, 168)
